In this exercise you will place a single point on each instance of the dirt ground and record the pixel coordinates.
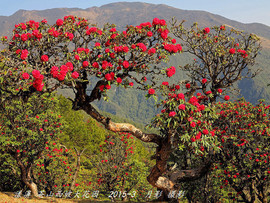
(8, 197)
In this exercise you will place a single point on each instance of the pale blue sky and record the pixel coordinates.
(246, 11)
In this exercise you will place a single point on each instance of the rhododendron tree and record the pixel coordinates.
(185, 124)
(26, 128)
(54, 169)
(244, 158)
(120, 172)
(222, 56)
(241, 168)
(52, 56)
(215, 68)
(72, 53)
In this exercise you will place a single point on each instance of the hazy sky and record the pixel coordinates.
(246, 11)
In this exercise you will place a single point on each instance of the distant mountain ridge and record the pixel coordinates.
(124, 13)
(127, 13)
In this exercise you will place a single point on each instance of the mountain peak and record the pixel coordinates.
(126, 13)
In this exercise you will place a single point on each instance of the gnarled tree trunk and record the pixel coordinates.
(78, 166)
(163, 150)
(26, 176)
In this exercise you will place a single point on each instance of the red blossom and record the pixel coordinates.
(181, 96)
(205, 131)
(165, 83)
(25, 76)
(193, 124)
(172, 114)
(118, 80)
(156, 21)
(151, 51)
(85, 64)
(77, 57)
(108, 77)
(95, 65)
(204, 80)
(182, 107)
(232, 51)
(170, 71)
(75, 75)
(227, 97)
(149, 34)
(151, 91)
(44, 58)
(206, 30)
(142, 47)
(59, 22)
(126, 64)
(219, 91)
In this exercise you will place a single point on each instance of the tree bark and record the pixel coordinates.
(26, 176)
(77, 168)
(120, 127)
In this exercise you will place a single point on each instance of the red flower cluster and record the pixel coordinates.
(206, 30)
(222, 27)
(81, 49)
(227, 97)
(125, 64)
(59, 22)
(151, 91)
(219, 91)
(75, 75)
(170, 71)
(173, 48)
(193, 100)
(204, 80)
(243, 53)
(38, 80)
(181, 96)
(172, 114)
(69, 35)
(151, 51)
(37, 34)
(24, 53)
(44, 58)
(93, 30)
(146, 24)
(64, 69)
(25, 76)
(165, 83)
(149, 34)
(109, 76)
(182, 107)
(118, 80)
(119, 49)
(232, 51)
(85, 64)
(157, 21)
(142, 47)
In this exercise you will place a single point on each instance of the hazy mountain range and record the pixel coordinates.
(125, 13)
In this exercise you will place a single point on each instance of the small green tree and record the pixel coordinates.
(26, 127)
(122, 170)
